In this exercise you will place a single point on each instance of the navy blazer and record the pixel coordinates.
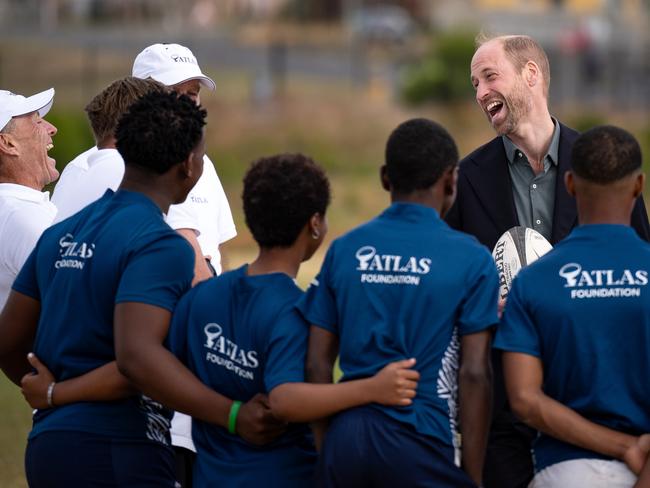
(485, 206)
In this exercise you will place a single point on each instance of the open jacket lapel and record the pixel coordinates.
(489, 177)
(565, 214)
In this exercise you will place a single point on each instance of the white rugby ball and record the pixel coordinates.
(516, 248)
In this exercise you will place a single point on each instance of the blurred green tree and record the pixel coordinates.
(443, 74)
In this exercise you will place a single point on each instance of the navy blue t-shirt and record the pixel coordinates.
(118, 249)
(584, 311)
(406, 285)
(241, 335)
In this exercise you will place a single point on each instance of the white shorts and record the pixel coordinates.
(585, 473)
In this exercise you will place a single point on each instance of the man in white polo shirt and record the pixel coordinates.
(25, 168)
(204, 219)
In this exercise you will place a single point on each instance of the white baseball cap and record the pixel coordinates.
(170, 64)
(12, 105)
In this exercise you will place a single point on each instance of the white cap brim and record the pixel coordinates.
(41, 103)
(171, 79)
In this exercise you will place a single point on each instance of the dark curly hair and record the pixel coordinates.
(417, 153)
(159, 130)
(605, 154)
(280, 195)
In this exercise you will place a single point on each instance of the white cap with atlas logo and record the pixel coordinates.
(170, 64)
(13, 105)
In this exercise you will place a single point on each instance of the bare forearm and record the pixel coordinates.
(321, 355)
(559, 421)
(103, 384)
(160, 375)
(305, 402)
(475, 398)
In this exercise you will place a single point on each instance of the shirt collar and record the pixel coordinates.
(408, 210)
(101, 155)
(553, 147)
(23, 192)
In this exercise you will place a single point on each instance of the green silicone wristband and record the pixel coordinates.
(232, 416)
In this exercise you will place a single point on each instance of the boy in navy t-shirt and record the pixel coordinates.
(576, 329)
(406, 285)
(241, 334)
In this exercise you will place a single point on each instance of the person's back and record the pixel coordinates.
(247, 342)
(402, 283)
(593, 325)
(406, 285)
(101, 256)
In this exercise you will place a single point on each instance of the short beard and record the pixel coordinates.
(518, 104)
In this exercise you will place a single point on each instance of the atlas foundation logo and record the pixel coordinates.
(184, 59)
(602, 283)
(74, 254)
(225, 353)
(390, 269)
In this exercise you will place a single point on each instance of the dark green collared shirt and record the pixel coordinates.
(534, 195)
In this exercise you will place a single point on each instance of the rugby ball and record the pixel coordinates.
(516, 248)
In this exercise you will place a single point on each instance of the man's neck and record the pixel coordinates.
(533, 136)
(22, 180)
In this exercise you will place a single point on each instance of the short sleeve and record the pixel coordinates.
(517, 331)
(479, 309)
(318, 304)
(178, 329)
(286, 350)
(158, 273)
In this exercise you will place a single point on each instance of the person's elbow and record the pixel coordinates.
(523, 403)
(130, 364)
(280, 402)
(318, 370)
(476, 374)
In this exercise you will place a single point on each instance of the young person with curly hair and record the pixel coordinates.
(241, 334)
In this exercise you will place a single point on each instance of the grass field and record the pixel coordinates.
(15, 422)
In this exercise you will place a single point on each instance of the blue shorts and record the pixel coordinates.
(366, 448)
(64, 459)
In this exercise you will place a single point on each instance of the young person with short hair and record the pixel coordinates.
(405, 285)
(576, 329)
(241, 334)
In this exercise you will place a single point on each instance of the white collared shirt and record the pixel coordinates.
(24, 214)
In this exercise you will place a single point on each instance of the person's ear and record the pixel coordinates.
(190, 166)
(450, 180)
(639, 183)
(8, 144)
(316, 226)
(569, 183)
(383, 176)
(531, 73)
